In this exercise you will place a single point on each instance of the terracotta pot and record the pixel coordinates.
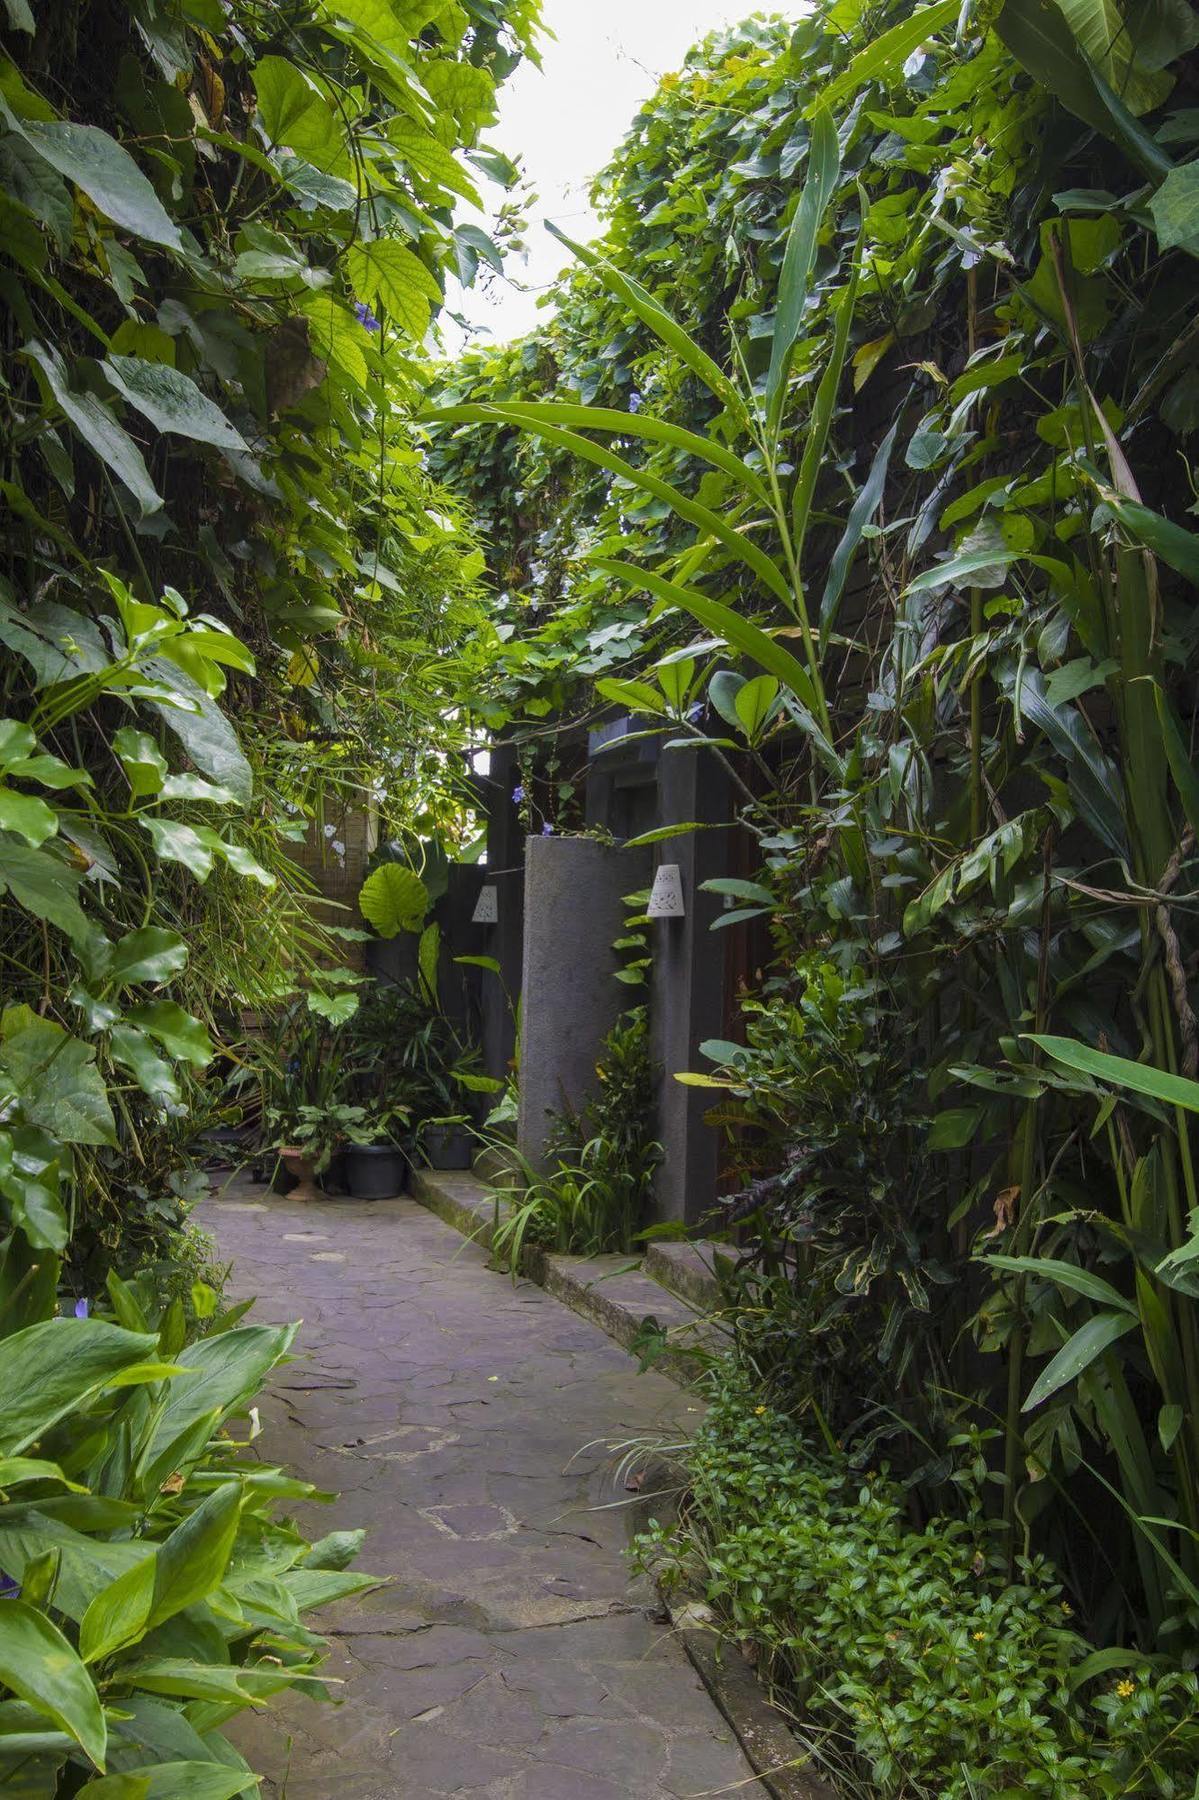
(299, 1165)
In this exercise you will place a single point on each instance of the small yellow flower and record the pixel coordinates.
(759, 1410)
(1067, 1610)
(1126, 1689)
(980, 1637)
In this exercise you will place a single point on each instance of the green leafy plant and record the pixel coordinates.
(913, 1664)
(152, 1592)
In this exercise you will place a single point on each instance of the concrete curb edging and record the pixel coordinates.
(769, 1746)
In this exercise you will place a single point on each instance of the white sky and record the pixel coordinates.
(564, 121)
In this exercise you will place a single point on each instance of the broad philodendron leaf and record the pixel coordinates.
(38, 1663)
(27, 816)
(43, 884)
(180, 1034)
(172, 401)
(393, 899)
(55, 1079)
(151, 954)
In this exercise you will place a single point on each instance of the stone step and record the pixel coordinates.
(686, 1269)
(615, 1292)
(496, 1163)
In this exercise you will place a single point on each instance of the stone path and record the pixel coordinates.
(468, 1424)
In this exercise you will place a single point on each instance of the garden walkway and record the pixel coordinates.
(466, 1423)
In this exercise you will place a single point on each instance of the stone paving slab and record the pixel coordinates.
(474, 1427)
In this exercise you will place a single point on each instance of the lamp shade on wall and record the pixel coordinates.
(666, 895)
(487, 908)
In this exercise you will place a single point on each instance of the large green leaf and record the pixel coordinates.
(1036, 33)
(393, 899)
(172, 401)
(1064, 1274)
(26, 816)
(1109, 42)
(54, 1367)
(55, 1078)
(1175, 209)
(97, 429)
(1088, 1342)
(43, 884)
(824, 167)
(885, 55)
(151, 954)
(172, 1781)
(185, 1568)
(1139, 1078)
(177, 1031)
(387, 274)
(108, 176)
(40, 1666)
(227, 1369)
(293, 111)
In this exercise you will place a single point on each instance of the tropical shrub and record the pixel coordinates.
(151, 1591)
(910, 1658)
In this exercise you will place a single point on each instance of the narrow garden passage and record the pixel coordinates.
(457, 1417)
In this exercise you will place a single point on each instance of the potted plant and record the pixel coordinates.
(376, 1163)
(307, 1138)
(448, 1142)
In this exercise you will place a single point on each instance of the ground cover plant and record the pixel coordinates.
(860, 451)
(916, 1665)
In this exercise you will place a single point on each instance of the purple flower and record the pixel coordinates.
(81, 1309)
(9, 1589)
(547, 829)
(518, 795)
(365, 316)
(634, 401)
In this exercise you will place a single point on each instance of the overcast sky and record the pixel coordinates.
(565, 120)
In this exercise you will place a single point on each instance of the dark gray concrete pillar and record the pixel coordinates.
(574, 911)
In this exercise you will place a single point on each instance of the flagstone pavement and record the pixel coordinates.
(469, 1425)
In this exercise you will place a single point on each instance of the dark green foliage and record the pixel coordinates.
(938, 609)
(914, 1662)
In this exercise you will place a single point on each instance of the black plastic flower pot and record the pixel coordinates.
(447, 1147)
(375, 1171)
